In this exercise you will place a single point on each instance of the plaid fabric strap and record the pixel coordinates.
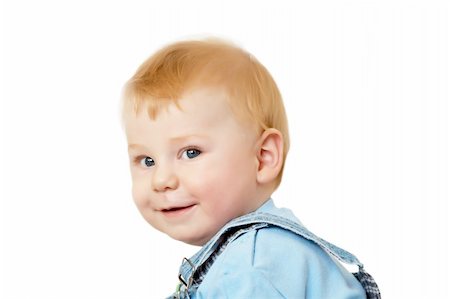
(369, 284)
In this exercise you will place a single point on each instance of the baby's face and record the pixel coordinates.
(193, 169)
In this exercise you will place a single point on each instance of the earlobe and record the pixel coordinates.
(270, 156)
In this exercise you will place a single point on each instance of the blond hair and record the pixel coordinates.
(167, 74)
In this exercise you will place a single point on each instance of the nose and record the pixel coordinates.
(163, 179)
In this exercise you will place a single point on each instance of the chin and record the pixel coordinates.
(194, 240)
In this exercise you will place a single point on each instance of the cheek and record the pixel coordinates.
(218, 177)
(140, 192)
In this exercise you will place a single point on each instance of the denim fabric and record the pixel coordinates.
(264, 257)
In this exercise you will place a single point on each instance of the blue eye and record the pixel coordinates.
(146, 161)
(191, 153)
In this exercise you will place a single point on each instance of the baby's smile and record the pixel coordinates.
(177, 211)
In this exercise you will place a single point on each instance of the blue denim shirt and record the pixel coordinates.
(270, 255)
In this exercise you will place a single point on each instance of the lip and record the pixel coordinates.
(177, 211)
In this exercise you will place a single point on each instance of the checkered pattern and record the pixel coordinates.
(369, 284)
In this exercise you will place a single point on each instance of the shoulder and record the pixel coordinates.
(285, 263)
(274, 244)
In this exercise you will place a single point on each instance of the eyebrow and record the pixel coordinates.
(177, 139)
(182, 138)
(135, 146)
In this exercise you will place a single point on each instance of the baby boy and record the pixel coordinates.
(207, 138)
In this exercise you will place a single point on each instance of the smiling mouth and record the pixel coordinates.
(177, 211)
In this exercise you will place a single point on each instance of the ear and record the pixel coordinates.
(269, 156)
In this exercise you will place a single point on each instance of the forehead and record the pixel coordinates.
(200, 111)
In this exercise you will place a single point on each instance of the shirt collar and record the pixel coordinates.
(267, 206)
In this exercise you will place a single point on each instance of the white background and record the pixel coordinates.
(366, 87)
